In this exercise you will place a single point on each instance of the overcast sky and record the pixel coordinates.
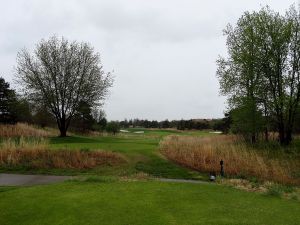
(162, 52)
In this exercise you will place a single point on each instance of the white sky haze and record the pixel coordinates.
(163, 53)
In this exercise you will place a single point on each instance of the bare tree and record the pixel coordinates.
(61, 74)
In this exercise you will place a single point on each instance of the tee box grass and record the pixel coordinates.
(142, 202)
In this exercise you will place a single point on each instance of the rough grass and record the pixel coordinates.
(21, 130)
(204, 154)
(34, 154)
(62, 159)
(24, 143)
(141, 153)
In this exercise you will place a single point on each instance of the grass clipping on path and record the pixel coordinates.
(36, 155)
(204, 154)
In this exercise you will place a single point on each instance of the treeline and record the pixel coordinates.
(261, 75)
(192, 124)
(14, 108)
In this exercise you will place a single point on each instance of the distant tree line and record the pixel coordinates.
(192, 124)
(261, 75)
(15, 108)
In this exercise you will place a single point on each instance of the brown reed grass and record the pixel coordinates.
(204, 154)
(38, 143)
(21, 130)
(57, 159)
(36, 155)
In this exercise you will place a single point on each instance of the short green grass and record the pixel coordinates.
(142, 202)
(140, 150)
(165, 132)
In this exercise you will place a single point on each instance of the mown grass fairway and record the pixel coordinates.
(142, 202)
(140, 150)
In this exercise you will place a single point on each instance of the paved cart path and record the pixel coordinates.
(7, 179)
(26, 180)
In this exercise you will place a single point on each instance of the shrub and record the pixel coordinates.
(113, 127)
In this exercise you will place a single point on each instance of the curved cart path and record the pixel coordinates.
(27, 180)
(7, 179)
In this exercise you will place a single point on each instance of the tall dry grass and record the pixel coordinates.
(38, 143)
(204, 154)
(35, 154)
(60, 159)
(21, 130)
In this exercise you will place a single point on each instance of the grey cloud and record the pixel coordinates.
(163, 52)
(154, 24)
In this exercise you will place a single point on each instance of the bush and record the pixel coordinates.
(278, 190)
(113, 127)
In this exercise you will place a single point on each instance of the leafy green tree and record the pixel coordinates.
(247, 123)
(102, 124)
(13, 108)
(239, 75)
(83, 119)
(181, 125)
(99, 116)
(43, 117)
(262, 73)
(8, 100)
(280, 53)
(22, 110)
(297, 121)
(113, 127)
(223, 124)
(165, 124)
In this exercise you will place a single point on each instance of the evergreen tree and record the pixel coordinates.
(8, 101)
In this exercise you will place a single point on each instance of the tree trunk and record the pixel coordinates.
(63, 132)
(266, 135)
(282, 137)
(288, 137)
(62, 128)
(253, 139)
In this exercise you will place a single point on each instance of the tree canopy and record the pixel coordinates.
(7, 102)
(261, 75)
(61, 75)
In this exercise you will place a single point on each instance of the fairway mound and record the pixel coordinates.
(57, 159)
